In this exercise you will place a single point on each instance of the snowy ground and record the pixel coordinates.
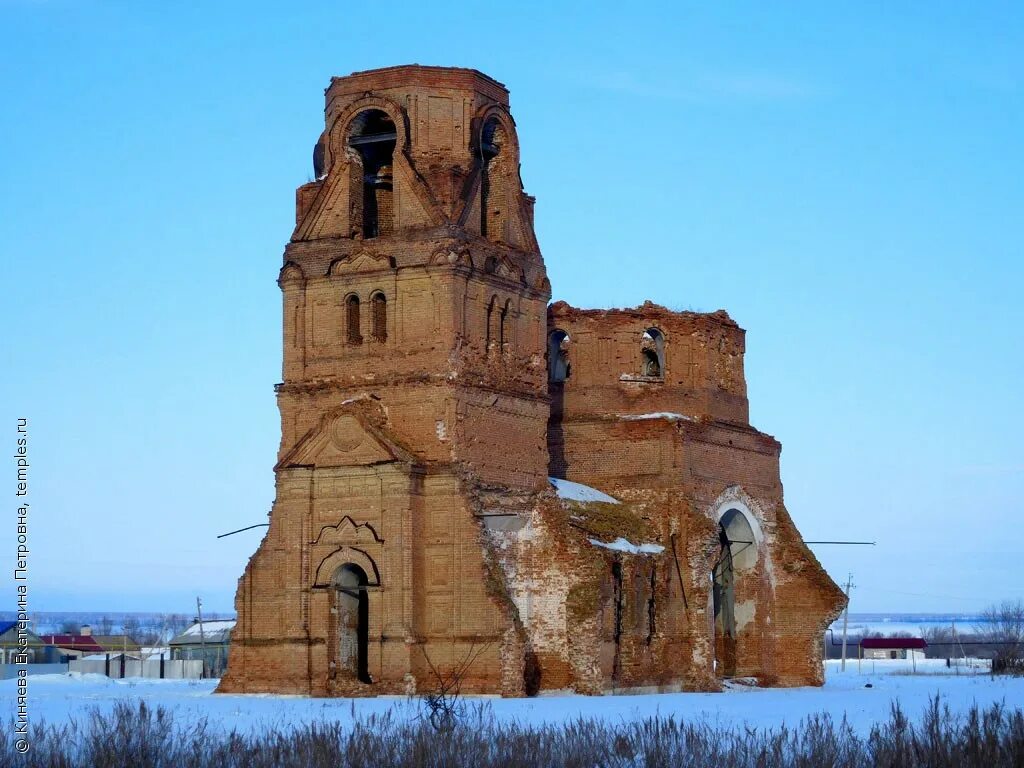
(62, 697)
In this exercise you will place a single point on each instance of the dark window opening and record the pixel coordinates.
(558, 356)
(352, 333)
(373, 137)
(380, 317)
(493, 324)
(650, 607)
(503, 337)
(617, 596)
(651, 366)
(652, 354)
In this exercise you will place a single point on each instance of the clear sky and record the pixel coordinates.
(847, 183)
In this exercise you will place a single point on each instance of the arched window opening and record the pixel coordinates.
(738, 552)
(350, 614)
(506, 312)
(652, 354)
(558, 356)
(352, 332)
(651, 605)
(736, 533)
(617, 597)
(372, 138)
(493, 170)
(379, 306)
(493, 323)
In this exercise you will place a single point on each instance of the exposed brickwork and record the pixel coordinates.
(414, 524)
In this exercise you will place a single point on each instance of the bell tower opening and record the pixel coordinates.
(372, 138)
(493, 204)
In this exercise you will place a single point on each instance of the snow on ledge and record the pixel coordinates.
(579, 492)
(624, 545)
(660, 415)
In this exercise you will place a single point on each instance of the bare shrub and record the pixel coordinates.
(1004, 624)
(141, 736)
(444, 705)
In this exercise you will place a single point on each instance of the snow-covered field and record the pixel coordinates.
(63, 697)
(913, 624)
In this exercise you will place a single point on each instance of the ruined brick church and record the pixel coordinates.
(470, 480)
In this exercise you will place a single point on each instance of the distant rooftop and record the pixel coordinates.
(218, 631)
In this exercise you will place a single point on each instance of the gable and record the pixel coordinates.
(363, 261)
(327, 216)
(329, 213)
(343, 439)
(516, 230)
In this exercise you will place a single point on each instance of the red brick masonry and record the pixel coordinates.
(429, 391)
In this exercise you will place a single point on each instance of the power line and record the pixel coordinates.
(866, 543)
(247, 528)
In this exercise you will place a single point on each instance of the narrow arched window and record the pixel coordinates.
(558, 356)
(379, 305)
(372, 136)
(493, 323)
(493, 167)
(506, 312)
(652, 354)
(651, 606)
(352, 333)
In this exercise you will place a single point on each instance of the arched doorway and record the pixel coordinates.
(350, 612)
(738, 552)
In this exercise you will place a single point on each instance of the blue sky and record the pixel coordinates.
(847, 183)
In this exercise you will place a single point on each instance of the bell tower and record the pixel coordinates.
(413, 394)
(414, 271)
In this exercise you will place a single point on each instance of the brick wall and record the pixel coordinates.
(413, 520)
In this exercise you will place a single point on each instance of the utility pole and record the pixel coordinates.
(846, 618)
(202, 635)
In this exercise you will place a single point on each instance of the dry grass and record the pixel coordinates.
(142, 737)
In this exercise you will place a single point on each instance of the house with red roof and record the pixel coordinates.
(86, 643)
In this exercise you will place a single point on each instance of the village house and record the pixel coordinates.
(85, 643)
(38, 652)
(207, 641)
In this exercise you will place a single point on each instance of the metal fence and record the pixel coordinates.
(214, 656)
(120, 666)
